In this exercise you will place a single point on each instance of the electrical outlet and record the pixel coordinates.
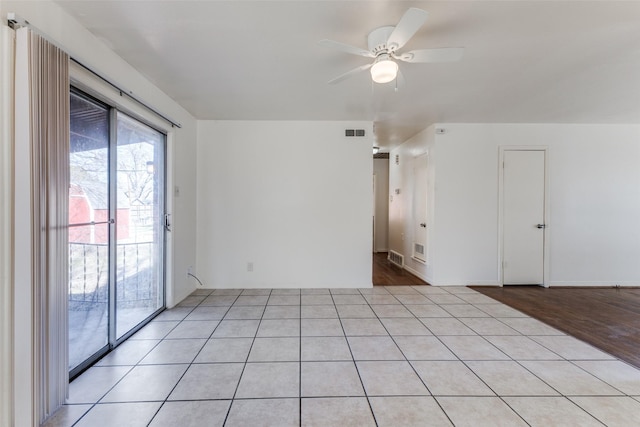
(250, 266)
(190, 271)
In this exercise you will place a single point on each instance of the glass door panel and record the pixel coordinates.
(139, 223)
(88, 230)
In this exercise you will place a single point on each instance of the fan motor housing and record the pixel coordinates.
(377, 40)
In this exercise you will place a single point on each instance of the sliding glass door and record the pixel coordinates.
(116, 228)
(140, 234)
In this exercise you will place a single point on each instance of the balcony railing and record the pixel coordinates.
(136, 277)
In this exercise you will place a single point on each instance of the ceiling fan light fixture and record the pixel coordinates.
(384, 70)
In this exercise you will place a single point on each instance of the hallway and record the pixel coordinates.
(387, 274)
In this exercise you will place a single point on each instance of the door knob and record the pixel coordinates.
(541, 225)
(423, 224)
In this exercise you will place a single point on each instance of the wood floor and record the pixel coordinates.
(607, 318)
(387, 274)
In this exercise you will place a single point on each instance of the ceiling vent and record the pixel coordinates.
(354, 132)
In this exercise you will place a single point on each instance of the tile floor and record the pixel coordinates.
(386, 356)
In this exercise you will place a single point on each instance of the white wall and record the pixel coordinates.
(293, 198)
(594, 198)
(401, 221)
(381, 205)
(62, 29)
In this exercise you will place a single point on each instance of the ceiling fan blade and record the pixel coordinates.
(349, 74)
(410, 22)
(445, 54)
(346, 48)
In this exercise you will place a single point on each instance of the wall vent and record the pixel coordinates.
(418, 248)
(353, 132)
(396, 258)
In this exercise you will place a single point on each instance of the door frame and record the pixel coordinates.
(415, 160)
(545, 239)
(375, 199)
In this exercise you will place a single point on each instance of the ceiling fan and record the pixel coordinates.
(384, 43)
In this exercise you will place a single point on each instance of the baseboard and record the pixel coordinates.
(487, 283)
(382, 250)
(611, 284)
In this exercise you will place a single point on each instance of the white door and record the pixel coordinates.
(523, 217)
(420, 208)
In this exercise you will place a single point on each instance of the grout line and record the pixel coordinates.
(409, 363)
(246, 360)
(194, 357)
(364, 390)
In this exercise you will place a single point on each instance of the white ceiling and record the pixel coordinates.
(525, 61)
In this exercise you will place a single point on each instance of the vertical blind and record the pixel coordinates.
(47, 87)
(6, 224)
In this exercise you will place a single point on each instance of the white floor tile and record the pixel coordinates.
(245, 312)
(374, 348)
(611, 411)
(620, 375)
(569, 379)
(363, 327)
(572, 348)
(174, 351)
(488, 326)
(446, 326)
(330, 379)
(321, 328)
(146, 383)
(522, 348)
(236, 329)
(390, 379)
(193, 329)
(464, 310)
(262, 380)
(479, 412)
(473, 348)
(67, 416)
(550, 412)
(279, 328)
(192, 414)
(324, 349)
(530, 326)
(337, 411)
(264, 412)
(225, 350)
(275, 350)
(408, 411)
(402, 326)
(95, 383)
(136, 414)
(508, 378)
(451, 378)
(423, 348)
(208, 381)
